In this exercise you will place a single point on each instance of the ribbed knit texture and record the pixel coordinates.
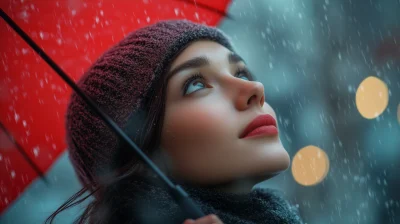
(144, 201)
(118, 82)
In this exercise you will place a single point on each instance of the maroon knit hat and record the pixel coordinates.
(118, 82)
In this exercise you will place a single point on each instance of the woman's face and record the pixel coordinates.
(205, 117)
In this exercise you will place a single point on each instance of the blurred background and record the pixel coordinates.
(330, 68)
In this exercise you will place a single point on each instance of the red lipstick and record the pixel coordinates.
(262, 125)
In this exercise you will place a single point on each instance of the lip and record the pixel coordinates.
(262, 125)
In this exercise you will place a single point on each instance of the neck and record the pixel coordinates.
(238, 186)
(241, 186)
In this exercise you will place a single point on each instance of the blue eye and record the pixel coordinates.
(244, 73)
(197, 80)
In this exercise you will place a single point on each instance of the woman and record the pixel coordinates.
(180, 91)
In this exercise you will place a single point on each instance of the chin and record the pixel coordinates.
(286, 163)
(281, 165)
(283, 160)
(264, 177)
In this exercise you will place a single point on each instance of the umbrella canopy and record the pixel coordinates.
(33, 98)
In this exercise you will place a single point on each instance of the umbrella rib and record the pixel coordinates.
(207, 7)
(24, 154)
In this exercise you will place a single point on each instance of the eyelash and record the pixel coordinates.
(199, 76)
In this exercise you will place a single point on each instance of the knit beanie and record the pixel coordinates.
(118, 81)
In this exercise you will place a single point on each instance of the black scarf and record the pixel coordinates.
(136, 200)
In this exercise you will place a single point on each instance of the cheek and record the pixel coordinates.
(196, 135)
(192, 124)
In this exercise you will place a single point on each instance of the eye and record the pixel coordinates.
(197, 81)
(193, 84)
(242, 72)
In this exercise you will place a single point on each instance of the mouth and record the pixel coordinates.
(263, 125)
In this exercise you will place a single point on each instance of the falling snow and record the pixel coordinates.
(309, 56)
(16, 117)
(36, 151)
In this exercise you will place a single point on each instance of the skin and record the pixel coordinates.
(200, 136)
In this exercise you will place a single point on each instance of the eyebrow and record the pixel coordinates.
(202, 61)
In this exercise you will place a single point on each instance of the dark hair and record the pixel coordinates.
(144, 128)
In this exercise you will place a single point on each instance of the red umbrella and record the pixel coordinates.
(73, 33)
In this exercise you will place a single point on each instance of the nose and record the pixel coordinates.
(248, 94)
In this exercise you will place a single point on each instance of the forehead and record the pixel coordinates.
(212, 50)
